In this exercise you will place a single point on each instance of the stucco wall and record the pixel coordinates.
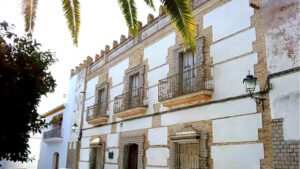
(282, 24)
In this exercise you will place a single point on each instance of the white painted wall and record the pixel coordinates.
(207, 112)
(112, 140)
(157, 52)
(158, 136)
(237, 129)
(229, 18)
(110, 166)
(157, 156)
(91, 86)
(284, 102)
(85, 142)
(234, 46)
(97, 131)
(228, 77)
(85, 154)
(157, 74)
(152, 94)
(116, 155)
(116, 91)
(244, 156)
(84, 164)
(137, 124)
(47, 150)
(117, 72)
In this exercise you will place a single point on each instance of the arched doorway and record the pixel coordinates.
(133, 156)
(55, 160)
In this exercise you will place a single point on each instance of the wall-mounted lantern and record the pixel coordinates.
(250, 84)
(74, 127)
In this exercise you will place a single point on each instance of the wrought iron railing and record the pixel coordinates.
(183, 83)
(129, 100)
(96, 111)
(52, 134)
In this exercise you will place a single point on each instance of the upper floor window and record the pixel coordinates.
(96, 114)
(133, 97)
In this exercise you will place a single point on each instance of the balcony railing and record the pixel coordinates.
(129, 100)
(55, 133)
(183, 83)
(96, 111)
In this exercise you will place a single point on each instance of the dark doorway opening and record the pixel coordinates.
(133, 156)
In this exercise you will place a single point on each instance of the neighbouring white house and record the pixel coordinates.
(59, 142)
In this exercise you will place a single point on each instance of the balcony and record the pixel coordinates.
(52, 136)
(185, 89)
(130, 104)
(96, 114)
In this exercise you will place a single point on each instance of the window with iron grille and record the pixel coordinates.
(134, 90)
(96, 157)
(99, 108)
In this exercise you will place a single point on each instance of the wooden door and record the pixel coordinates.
(133, 156)
(56, 160)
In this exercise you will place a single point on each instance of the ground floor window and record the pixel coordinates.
(187, 156)
(96, 154)
(188, 149)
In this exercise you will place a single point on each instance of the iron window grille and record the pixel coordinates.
(129, 100)
(183, 83)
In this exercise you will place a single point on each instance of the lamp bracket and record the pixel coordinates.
(258, 100)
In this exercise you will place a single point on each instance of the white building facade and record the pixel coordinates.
(150, 103)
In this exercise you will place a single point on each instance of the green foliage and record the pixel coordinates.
(179, 11)
(24, 78)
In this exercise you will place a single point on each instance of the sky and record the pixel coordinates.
(101, 23)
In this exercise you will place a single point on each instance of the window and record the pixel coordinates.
(96, 153)
(98, 110)
(134, 91)
(101, 103)
(188, 149)
(188, 72)
(96, 159)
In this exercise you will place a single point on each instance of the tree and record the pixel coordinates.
(179, 11)
(24, 78)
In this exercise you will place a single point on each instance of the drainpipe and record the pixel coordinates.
(81, 122)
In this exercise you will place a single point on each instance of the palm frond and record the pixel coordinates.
(71, 9)
(29, 8)
(150, 3)
(77, 18)
(181, 15)
(129, 11)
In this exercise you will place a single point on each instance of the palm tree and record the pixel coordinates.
(178, 10)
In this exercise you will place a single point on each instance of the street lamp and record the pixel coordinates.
(250, 84)
(74, 127)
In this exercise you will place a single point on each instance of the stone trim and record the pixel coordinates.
(123, 152)
(130, 72)
(285, 152)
